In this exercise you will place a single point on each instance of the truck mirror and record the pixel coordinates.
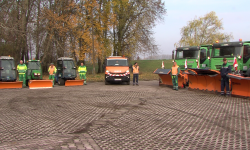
(208, 53)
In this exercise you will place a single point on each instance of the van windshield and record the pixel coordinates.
(117, 62)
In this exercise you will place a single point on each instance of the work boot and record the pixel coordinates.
(137, 84)
(176, 89)
(133, 84)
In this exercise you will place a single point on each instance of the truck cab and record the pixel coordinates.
(116, 69)
(66, 70)
(196, 56)
(232, 50)
(34, 70)
(7, 69)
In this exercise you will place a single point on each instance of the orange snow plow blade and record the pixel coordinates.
(166, 78)
(40, 84)
(11, 85)
(240, 85)
(205, 79)
(73, 82)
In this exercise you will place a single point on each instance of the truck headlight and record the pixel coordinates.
(127, 71)
(107, 71)
(38, 74)
(35, 74)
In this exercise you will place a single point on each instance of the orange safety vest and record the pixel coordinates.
(175, 70)
(135, 70)
(51, 70)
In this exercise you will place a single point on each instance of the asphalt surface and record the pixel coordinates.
(98, 116)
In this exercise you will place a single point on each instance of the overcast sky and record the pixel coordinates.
(235, 15)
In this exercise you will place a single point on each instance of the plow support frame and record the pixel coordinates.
(11, 85)
(40, 84)
(74, 82)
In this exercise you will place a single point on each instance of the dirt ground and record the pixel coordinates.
(98, 116)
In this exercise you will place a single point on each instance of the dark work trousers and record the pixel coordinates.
(225, 82)
(135, 77)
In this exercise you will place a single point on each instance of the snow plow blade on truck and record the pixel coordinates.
(74, 82)
(205, 79)
(166, 78)
(240, 85)
(11, 85)
(40, 84)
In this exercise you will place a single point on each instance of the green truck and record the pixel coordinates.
(195, 56)
(34, 70)
(231, 50)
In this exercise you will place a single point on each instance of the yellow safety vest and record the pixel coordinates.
(21, 68)
(52, 70)
(82, 69)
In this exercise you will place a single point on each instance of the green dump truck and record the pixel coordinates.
(232, 50)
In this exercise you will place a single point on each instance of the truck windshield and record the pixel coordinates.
(228, 51)
(8, 64)
(117, 62)
(187, 54)
(68, 64)
(7, 71)
(34, 65)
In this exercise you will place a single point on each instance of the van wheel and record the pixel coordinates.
(61, 81)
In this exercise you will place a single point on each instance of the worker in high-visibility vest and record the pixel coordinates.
(52, 71)
(22, 68)
(225, 69)
(135, 73)
(174, 74)
(82, 72)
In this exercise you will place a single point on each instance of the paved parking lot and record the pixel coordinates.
(98, 116)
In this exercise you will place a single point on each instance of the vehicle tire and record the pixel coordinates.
(106, 82)
(61, 81)
(128, 83)
(27, 82)
(248, 73)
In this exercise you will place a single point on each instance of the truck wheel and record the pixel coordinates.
(61, 81)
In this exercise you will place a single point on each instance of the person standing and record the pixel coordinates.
(82, 72)
(174, 74)
(135, 73)
(22, 68)
(225, 69)
(52, 71)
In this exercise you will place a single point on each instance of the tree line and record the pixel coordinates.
(81, 29)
